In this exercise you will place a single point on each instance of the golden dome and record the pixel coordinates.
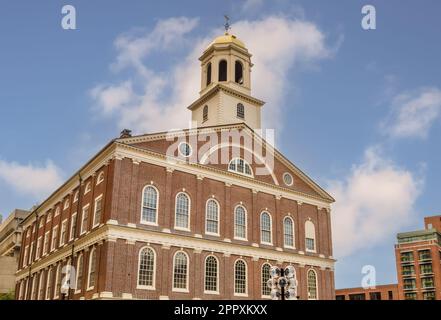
(228, 38)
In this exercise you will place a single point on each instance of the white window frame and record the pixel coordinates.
(264, 296)
(186, 289)
(246, 279)
(54, 239)
(270, 231)
(87, 206)
(48, 280)
(189, 212)
(49, 217)
(88, 188)
(66, 204)
(40, 285)
(293, 233)
(89, 269)
(245, 163)
(57, 275)
(25, 256)
(217, 275)
(78, 290)
(63, 227)
(246, 223)
(38, 252)
(57, 211)
(144, 287)
(291, 177)
(100, 178)
(71, 230)
(76, 194)
(316, 284)
(97, 223)
(46, 245)
(314, 238)
(217, 234)
(157, 206)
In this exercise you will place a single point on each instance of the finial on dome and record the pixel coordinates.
(227, 24)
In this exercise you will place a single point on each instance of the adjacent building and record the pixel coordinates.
(161, 216)
(381, 292)
(10, 244)
(418, 258)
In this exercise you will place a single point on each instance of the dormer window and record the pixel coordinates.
(240, 111)
(239, 165)
(222, 70)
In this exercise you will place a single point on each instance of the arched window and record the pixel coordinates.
(212, 217)
(239, 165)
(182, 212)
(240, 111)
(100, 177)
(57, 287)
(146, 269)
(240, 277)
(265, 228)
(91, 277)
(41, 286)
(310, 236)
(211, 274)
(266, 291)
(222, 70)
(180, 271)
(49, 284)
(205, 114)
(149, 213)
(240, 223)
(238, 72)
(312, 285)
(79, 280)
(288, 232)
(209, 73)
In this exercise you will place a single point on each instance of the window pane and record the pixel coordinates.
(211, 274)
(265, 226)
(312, 285)
(240, 223)
(212, 216)
(146, 267)
(149, 205)
(182, 203)
(240, 277)
(180, 271)
(288, 232)
(266, 291)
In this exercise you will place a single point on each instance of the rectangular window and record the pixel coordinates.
(54, 238)
(73, 226)
(39, 240)
(426, 268)
(310, 246)
(430, 295)
(427, 282)
(357, 296)
(375, 295)
(410, 296)
(46, 243)
(84, 219)
(63, 232)
(424, 255)
(98, 210)
(390, 295)
(25, 256)
(409, 284)
(406, 256)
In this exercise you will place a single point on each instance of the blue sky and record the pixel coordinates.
(358, 110)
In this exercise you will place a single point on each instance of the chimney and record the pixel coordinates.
(126, 133)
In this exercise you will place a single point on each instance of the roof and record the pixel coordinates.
(228, 38)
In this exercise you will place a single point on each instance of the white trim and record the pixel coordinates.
(246, 223)
(66, 204)
(293, 233)
(186, 289)
(48, 280)
(57, 275)
(63, 223)
(307, 236)
(71, 230)
(76, 194)
(316, 284)
(153, 286)
(87, 206)
(46, 250)
(270, 231)
(261, 277)
(189, 212)
(100, 197)
(292, 179)
(217, 275)
(100, 178)
(217, 234)
(245, 164)
(246, 279)
(179, 149)
(157, 206)
(89, 287)
(57, 211)
(78, 290)
(88, 188)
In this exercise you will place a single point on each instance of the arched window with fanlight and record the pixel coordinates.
(211, 275)
(240, 111)
(212, 217)
(91, 277)
(239, 165)
(266, 291)
(240, 278)
(223, 70)
(238, 72)
(205, 114)
(288, 232)
(312, 285)
(180, 271)
(240, 223)
(265, 228)
(146, 269)
(150, 197)
(209, 73)
(182, 212)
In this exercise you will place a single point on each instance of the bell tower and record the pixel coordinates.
(225, 96)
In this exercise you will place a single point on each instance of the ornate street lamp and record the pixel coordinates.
(283, 283)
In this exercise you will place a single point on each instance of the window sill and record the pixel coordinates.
(182, 229)
(240, 239)
(266, 243)
(90, 288)
(212, 292)
(146, 223)
(212, 234)
(241, 294)
(181, 290)
(146, 288)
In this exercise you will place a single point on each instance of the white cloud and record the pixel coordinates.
(161, 98)
(251, 5)
(35, 181)
(414, 113)
(373, 203)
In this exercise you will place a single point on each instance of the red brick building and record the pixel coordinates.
(418, 258)
(139, 221)
(381, 292)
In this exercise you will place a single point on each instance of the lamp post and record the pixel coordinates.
(283, 283)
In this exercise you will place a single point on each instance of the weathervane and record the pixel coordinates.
(227, 23)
